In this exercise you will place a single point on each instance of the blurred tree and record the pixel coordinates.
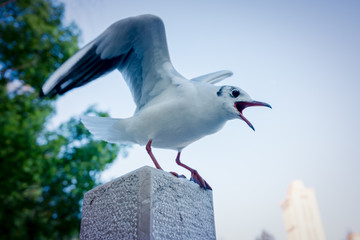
(43, 173)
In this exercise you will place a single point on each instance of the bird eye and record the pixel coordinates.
(235, 93)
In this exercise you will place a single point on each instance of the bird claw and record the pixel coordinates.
(195, 177)
(177, 175)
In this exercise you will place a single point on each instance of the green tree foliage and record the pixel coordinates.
(43, 173)
(33, 40)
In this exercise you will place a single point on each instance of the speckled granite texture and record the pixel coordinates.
(148, 204)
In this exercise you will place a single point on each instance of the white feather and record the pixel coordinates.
(108, 129)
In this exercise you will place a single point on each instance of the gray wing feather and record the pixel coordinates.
(136, 46)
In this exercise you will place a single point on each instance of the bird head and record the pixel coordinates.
(235, 100)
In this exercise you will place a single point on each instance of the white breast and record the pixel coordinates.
(175, 122)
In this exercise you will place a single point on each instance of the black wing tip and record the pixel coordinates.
(50, 95)
(41, 94)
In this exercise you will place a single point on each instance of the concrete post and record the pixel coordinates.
(148, 204)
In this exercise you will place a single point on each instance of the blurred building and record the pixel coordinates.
(354, 236)
(301, 213)
(265, 236)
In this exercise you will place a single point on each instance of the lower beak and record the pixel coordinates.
(240, 106)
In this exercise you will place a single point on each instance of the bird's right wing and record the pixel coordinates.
(213, 77)
(136, 46)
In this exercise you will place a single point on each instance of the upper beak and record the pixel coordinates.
(240, 106)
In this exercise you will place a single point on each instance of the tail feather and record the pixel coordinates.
(107, 129)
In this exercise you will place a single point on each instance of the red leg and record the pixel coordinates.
(195, 176)
(148, 149)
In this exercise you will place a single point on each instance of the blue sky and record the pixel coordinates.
(302, 57)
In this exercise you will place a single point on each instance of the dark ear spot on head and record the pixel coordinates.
(219, 93)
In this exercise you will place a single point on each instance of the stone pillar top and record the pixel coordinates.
(148, 204)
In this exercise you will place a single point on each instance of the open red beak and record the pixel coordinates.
(240, 106)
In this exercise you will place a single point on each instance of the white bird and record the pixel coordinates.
(171, 111)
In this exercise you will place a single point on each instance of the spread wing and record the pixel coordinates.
(136, 46)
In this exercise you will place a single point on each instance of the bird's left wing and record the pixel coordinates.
(136, 46)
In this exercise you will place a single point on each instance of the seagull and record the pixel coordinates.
(171, 111)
